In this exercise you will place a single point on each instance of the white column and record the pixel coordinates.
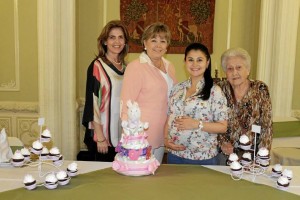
(277, 50)
(56, 46)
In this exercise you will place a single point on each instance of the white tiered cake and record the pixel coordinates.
(134, 157)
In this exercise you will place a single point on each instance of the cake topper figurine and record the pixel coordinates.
(133, 125)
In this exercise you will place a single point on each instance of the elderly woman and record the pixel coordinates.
(148, 81)
(248, 102)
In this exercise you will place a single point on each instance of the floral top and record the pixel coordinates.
(254, 108)
(199, 145)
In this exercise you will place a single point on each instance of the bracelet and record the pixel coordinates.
(101, 140)
(200, 126)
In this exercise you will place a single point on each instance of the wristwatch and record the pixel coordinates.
(200, 126)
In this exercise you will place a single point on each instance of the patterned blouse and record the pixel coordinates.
(254, 109)
(200, 145)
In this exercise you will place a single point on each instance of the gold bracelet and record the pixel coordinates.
(101, 140)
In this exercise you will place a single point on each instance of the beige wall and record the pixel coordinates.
(296, 93)
(28, 55)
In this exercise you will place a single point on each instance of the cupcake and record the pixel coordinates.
(54, 153)
(287, 173)
(29, 182)
(232, 157)
(263, 163)
(283, 183)
(46, 136)
(72, 169)
(263, 153)
(59, 161)
(51, 181)
(36, 147)
(244, 142)
(18, 159)
(63, 178)
(236, 168)
(277, 170)
(25, 152)
(246, 158)
(44, 153)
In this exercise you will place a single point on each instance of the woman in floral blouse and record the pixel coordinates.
(197, 112)
(248, 101)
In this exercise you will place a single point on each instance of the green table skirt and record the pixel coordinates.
(170, 182)
(286, 129)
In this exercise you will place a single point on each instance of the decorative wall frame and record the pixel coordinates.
(188, 20)
(14, 83)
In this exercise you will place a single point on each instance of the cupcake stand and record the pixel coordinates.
(259, 165)
(52, 159)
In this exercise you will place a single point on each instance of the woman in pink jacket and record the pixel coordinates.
(148, 81)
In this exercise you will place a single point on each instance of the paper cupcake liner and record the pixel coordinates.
(50, 186)
(31, 187)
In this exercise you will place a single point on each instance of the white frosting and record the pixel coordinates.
(28, 178)
(277, 167)
(25, 151)
(244, 139)
(61, 175)
(72, 166)
(287, 173)
(54, 151)
(46, 133)
(283, 180)
(263, 151)
(247, 155)
(37, 145)
(17, 155)
(235, 165)
(51, 178)
(45, 151)
(233, 157)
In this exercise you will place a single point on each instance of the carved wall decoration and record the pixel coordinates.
(14, 106)
(5, 122)
(28, 130)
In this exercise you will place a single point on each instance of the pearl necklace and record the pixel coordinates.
(112, 60)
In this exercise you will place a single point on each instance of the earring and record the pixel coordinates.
(105, 43)
(145, 49)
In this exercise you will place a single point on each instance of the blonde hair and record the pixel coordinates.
(156, 29)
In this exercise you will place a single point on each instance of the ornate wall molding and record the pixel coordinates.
(14, 85)
(15, 106)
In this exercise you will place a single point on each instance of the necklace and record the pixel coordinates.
(112, 60)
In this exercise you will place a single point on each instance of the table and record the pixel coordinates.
(169, 182)
(286, 156)
(286, 151)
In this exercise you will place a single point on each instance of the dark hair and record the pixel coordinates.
(102, 48)
(208, 81)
